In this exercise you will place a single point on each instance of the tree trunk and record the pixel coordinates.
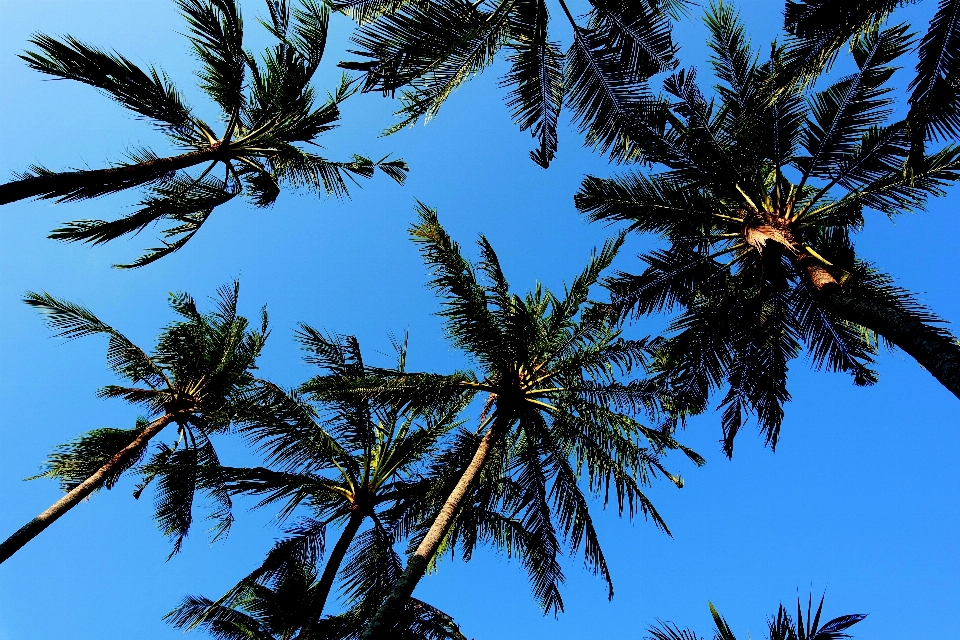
(29, 531)
(931, 348)
(937, 353)
(61, 184)
(386, 617)
(330, 570)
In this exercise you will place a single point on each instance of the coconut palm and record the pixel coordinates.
(357, 468)
(822, 28)
(757, 195)
(428, 49)
(557, 421)
(199, 379)
(280, 612)
(779, 627)
(269, 110)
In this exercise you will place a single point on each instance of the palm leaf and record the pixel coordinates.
(536, 77)
(822, 28)
(75, 461)
(934, 101)
(216, 32)
(74, 321)
(638, 31)
(149, 93)
(843, 113)
(618, 113)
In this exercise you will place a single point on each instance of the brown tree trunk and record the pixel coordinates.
(61, 184)
(29, 531)
(937, 353)
(330, 570)
(386, 617)
(932, 348)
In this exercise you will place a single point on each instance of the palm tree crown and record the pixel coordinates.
(429, 49)
(759, 195)
(556, 416)
(199, 378)
(268, 106)
(356, 469)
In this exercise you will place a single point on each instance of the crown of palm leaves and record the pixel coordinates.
(351, 462)
(758, 195)
(268, 106)
(779, 627)
(564, 422)
(200, 377)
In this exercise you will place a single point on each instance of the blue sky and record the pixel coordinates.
(859, 500)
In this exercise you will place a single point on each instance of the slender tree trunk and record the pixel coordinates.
(330, 570)
(934, 351)
(386, 617)
(937, 353)
(29, 531)
(59, 184)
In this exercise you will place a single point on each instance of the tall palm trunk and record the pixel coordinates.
(29, 531)
(59, 184)
(386, 617)
(334, 560)
(937, 353)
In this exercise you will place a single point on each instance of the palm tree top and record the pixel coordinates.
(758, 192)
(549, 373)
(354, 464)
(781, 626)
(200, 377)
(270, 113)
(280, 610)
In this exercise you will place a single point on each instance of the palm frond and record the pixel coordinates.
(413, 41)
(670, 631)
(479, 36)
(935, 101)
(469, 321)
(74, 321)
(617, 112)
(149, 92)
(178, 478)
(822, 28)
(640, 32)
(844, 112)
(364, 11)
(536, 77)
(223, 623)
(216, 32)
(183, 200)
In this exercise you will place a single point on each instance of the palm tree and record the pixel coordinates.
(822, 28)
(199, 378)
(428, 49)
(757, 196)
(555, 413)
(260, 612)
(269, 109)
(358, 466)
(779, 627)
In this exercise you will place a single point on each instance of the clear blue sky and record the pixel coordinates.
(861, 498)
